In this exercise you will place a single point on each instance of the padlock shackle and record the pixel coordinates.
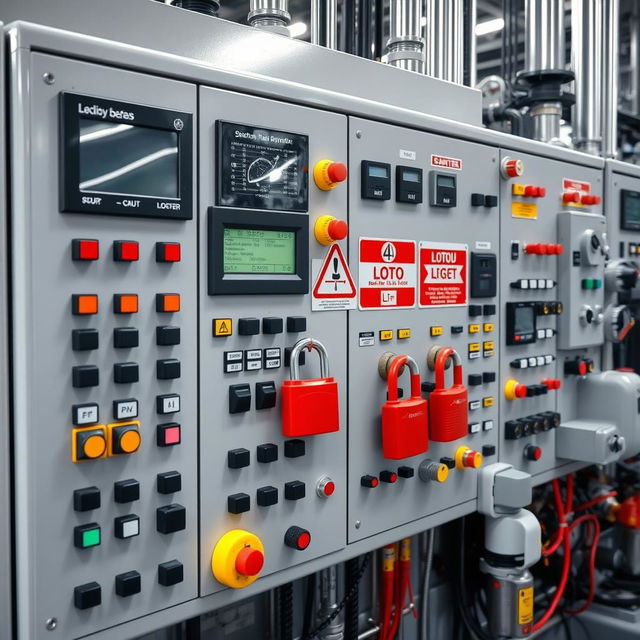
(310, 344)
(392, 377)
(441, 360)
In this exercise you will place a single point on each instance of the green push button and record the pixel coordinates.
(597, 284)
(86, 535)
(588, 283)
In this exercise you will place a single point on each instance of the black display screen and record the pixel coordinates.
(524, 320)
(128, 159)
(630, 209)
(262, 168)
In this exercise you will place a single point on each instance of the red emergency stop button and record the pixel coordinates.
(329, 229)
(533, 453)
(466, 458)
(328, 174)
(297, 538)
(512, 168)
(569, 197)
(82, 249)
(326, 487)
(590, 199)
(168, 252)
(126, 251)
(249, 562)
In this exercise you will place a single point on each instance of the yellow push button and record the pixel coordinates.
(222, 327)
(386, 334)
(488, 402)
(88, 443)
(518, 189)
(488, 327)
(436, 331)
(403, 334)
(237, 559)
(474, 328)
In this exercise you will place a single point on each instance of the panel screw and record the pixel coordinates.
(48, 77)
(358, 523)
(358, 134)
(51, 623)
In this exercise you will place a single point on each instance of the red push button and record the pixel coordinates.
(589, 199)
(297, 538)
(370, 482)
(521, 391)
(126, 251)
(85, 249)
(168, 252)
(325, 487)
(533, 453)
(570, 196)
(168, 435)
(249, 562)
(338, 229)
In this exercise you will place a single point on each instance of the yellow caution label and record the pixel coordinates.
(405, 550)
(517, 189)
(386, 334)
(525, 605)
(222, 327)
(489, 327)
(527, 210)
(474, 347)
(403, 334)
(388, 557)
(474, 328)
(488, 402)
(436, 331)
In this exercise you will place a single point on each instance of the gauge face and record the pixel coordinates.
(262, 168)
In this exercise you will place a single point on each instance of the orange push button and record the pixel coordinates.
(167, 302)
(123, 437)
(84, 304)
(125, 303)
(88, 444)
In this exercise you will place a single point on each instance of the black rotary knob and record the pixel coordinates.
(297, 538)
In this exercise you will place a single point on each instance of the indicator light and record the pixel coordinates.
(511, 168)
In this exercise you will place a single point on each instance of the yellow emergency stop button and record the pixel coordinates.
(328, 174)
(466, 458)
(328, 229)
(89, 443)
(237, 559)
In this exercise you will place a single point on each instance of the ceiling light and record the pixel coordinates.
(490, 26)
(297, 29)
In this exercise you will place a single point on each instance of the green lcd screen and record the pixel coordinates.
(259, 251)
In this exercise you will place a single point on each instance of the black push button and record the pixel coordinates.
(169, 482)
(238, 503)
(168, 369)
(126, 490)
(294, 448)
(85, 376)
(287, 357)
(296, 324)
(170, 573)
(125, 338)
(449, 462)
(489, 376)
(248, 326)
(474, 379)
(87, 595)
(238, 458)
(406, 472)
(267, 496)
(294, 490)
(267, 452)
(426, 386)
(86, 499)
(489, 309)
(456, 329)
(125, 372)
(491, 201)
(171, 518)
(84, 339)
(477, 200)
(475, 310)
(128, 584)
(239, 398)
(272, 325)
(167, 336)
(488, 450)
(265, 395)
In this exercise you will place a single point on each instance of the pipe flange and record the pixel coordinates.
(404, 54)
(269, 12)
(417, 40)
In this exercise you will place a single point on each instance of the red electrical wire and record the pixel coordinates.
(592, 520)
(403, 587)
(387, 580)
(595, 501)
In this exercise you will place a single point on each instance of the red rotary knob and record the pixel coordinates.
(512, 168)
(249, 562)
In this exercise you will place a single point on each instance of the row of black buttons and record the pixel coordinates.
(123, 338)
(240, 458)
(475, 379)
(88, 498)
(240, 396)
(476, 310)
(89, 595)
(265, 497)
(123, 373)
(271, 326)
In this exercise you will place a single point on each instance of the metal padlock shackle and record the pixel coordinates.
(392, 377)
(441, 359)
(310, 344)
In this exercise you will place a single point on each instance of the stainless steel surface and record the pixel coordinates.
(586, 57)
(546, 121)
(610, 82)
(545, 35)
(315, 18)
(405, 47)
(445, 40)
(327, 598)
(472, 43)
(331, 24)
(270, 15)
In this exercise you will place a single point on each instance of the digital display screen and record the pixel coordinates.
(446, 181)
(258, 251)
(262, 168)
(127, 159)
(523, 320)
(378, 172)
(630, 210)
(411, 176)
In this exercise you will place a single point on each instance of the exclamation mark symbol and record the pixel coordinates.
(336, 274)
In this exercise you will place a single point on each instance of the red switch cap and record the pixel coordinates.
(571, 196)
(297, 538)
(533, 453)
(542, 192)
(338, 229)
(512, 168)
(337, 172)
(85, 249)
(125, 251)
(370, 482)
(521, 391)
(249, 562)
(590, 199)
(167, 252)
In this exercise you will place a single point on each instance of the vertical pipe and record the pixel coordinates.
(610, 77)
(270, 15)
(316, 21)
(634, 53)
(472, 48)
(445, 40)
(545, 37)
(331, 24)
(405, 45)
(586, 55)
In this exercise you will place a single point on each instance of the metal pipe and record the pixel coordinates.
(270, 15)
(611, 13)
(316, 21)
(445, 40)
(405, 47)
(331, 24)
(634, 53)
(586, 57)
(545, 35)
(375, 629)
(472, 43)
(328, 603)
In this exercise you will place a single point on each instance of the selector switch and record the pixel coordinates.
(239, 398)
(248, 326)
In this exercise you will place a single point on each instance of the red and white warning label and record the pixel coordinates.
(445, 162)
(443, 274)
(334, 289)
(387, 274)
(568, 184)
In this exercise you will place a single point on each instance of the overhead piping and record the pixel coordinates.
(270, 15)
(405, 47)
(445, 40)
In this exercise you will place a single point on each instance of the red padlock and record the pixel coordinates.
(405, 423)
(309, 407)
(448, 407)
